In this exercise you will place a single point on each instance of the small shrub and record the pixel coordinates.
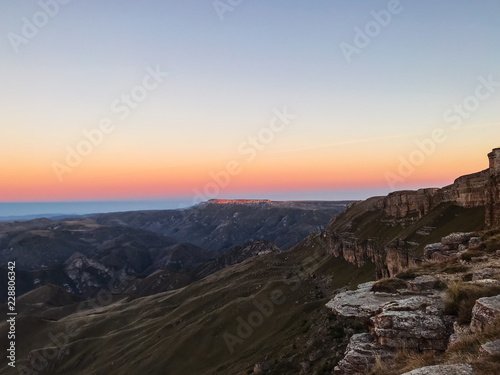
(408, 274)
(455, 268)
(440, 285)
(461, 298)
(389, 285)
(493, 243)
(469, 254)
(379, 368)
(337, 332)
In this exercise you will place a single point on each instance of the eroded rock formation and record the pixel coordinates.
(484, 313)
(363, 232)
(413, 318)
(493, 206)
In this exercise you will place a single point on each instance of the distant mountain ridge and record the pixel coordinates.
(84, 254)
(218, 225)
(256, 309)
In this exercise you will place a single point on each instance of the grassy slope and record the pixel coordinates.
(181, 332)
(446, 218)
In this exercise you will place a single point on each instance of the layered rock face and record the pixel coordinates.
(363, 232)
(467, 191)
(473, 190)
(484, 313)
(443, 370)
(493, 206)
(361, 354)
(413, 319)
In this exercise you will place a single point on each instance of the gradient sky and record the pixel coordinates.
(353, 121)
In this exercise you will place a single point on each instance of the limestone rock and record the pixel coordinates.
(493, 190)
(490, 348)
(431, 249)
(484, 313)
(360, 304)
(414, 323)
(361, 354)
(262, 368)
(485, 273)
(443, 370)
(475, 241)
(423, 283)
(452, 241)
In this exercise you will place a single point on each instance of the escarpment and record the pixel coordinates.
(392, 231)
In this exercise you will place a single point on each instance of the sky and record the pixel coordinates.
(284, 99)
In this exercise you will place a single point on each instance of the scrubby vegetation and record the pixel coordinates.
(461, 297)
(389, 285)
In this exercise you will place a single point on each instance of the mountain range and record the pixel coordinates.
(406, 284)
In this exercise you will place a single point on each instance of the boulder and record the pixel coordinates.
(475, 241)
(486, 310)
(452, 241)
(482, 274)
(362, 303)
(423, 283)
(361, 354)
(431, 249)
(262, 368)
(443, 370)
(490, 348)
(416, 323)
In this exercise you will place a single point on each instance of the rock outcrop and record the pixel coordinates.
(449, 247)
(485, 312)
(443, 370)
(361, 354)
(361, 304)
(89, 275)
(416, 323)
(413, 318)
(466, 191)
(368, 231)
(491, 348)
(493, 192)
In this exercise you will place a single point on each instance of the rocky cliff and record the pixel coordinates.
(393, 231)
(493, 192)
(436, 313)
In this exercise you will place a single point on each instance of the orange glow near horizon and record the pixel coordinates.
(323, 170)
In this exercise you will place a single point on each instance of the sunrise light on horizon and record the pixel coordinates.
(154, 100)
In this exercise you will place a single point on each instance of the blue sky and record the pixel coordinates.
(225, 78)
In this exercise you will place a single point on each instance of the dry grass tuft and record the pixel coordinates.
(389, 285)
(461, 297)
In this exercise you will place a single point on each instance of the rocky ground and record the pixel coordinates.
(441, 317)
